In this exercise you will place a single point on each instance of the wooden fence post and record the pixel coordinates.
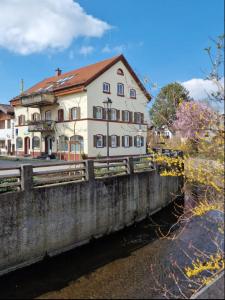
(130, 165)
(26, 177)
(90, 173)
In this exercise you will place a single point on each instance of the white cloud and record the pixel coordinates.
(200, 88)
(115, 49)
(85, 50)
(30, 26)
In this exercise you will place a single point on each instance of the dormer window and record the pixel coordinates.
(106, 88)
(120, 72)
(133, 93)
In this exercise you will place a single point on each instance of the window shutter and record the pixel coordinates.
(130, 117)
(118, 115)
(78, 112)
(70, 114)
(95, 141)
(142, 118)
(135, 141)
(110, 141)
(117, 141)
(123, 115)
(135, 117)
(104, 140)
(123, 141)
(130, 141)
(94, 112)
(104, 113)
(142, 141)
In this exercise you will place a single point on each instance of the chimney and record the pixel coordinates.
(58, 72)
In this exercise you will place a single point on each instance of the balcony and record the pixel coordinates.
(41, 126)
(37, 100)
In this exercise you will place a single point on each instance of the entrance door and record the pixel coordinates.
(27, 145)
(48, 145)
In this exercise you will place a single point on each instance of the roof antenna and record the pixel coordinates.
(22, 86)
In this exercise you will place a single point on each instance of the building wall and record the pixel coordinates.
(96, 97)
(7, 134)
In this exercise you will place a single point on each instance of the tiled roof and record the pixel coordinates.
(7, 109)
(78, 79)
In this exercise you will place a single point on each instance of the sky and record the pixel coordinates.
(163, 40)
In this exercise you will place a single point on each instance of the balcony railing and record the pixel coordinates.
(36, 100)
(41, 126)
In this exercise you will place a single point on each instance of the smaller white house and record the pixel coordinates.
(7, 134)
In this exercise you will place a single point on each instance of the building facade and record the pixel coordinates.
(65, 116)
(7, 134)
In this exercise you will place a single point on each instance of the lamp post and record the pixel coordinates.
(107, 105)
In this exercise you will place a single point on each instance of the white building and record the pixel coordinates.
(7, 143)
(64, 115)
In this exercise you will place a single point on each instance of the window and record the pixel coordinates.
(63, 143)
(106, 88)
(113, 114)
(36, 117)
(139, 118)
(77, 144)
(120, 72)
(8, 124)
(75, 113)
(113, 141)
(21, 120)
(2, 124)
(98, 112)
(139, 141)
(133, 93)
(60, 115)
(125, 115)
(48, 115)
(99, 141)
(127, 141)
(2, 144)
(19, 143)
(35, 142)
(120, 89)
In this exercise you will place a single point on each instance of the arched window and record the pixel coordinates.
(36, 117)
(77, 144)
(63, 143)
(120, 72)
(60, 115)
(35, 142)
(21, 120)
(19, 143)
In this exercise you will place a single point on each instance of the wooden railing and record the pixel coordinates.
(111, 167)
(27, 177)
(58, 173)
(10, 179)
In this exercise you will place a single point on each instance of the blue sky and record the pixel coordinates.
(163, 40)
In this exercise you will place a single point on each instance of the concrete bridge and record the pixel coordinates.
(47, 210)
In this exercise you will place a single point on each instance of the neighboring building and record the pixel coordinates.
(64, 115)
(157, 136)
(7, 144)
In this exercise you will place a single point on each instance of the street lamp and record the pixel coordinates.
(107, 105)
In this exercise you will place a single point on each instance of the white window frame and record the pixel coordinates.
(74, 113)
(113, 114)
(99, 141)
(48, 113)
(99, 113)
(126, 141)
(139, 139)
(138, 118)
(133, 93)
(113, 141)
(106, 87)
(126, 116)
(120, 89)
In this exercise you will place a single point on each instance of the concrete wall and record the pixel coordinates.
(53, 219)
